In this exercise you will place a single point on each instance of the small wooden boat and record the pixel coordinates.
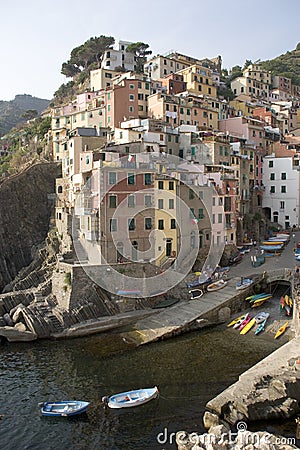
(288, 301)
(196, 293)
(270, 242)
(271, 248)
(244, 283)
(63, 409)
(240, 321)
(131, 398)
(245, 322)
(216, 285)
(281, 330)
(234, 321)
(261, 327)
(248, 326)
(199, 283)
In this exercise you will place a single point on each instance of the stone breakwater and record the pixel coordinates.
(219, 437)
(270, 390)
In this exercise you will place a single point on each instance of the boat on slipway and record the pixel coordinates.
(281, 330)
(216, 285)
(244, 283)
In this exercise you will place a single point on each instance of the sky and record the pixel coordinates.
(36, 37)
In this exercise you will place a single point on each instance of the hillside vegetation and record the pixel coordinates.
(286, 65)
(13, 112)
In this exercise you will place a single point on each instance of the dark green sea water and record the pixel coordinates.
(189, 370)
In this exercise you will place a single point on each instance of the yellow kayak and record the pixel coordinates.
(248, 326)
(234, 321)
(281, 330)
(259, 302)
(288, 301)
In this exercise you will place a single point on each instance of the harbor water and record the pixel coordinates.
(188, 370)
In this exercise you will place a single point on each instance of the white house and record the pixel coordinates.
(281, 196)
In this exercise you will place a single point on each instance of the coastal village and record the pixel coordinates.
(161, 182)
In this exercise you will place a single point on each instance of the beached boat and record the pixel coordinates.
(271, 242)
(255, 296)
(261, 327)
(131, 398)
(248, 326)
(244, 283)
(234, 321)
(271, 248)
(281, 330)
(63, 409)
(260, 299)
(216, 285)
(195, 293)
(245, 322)
(241, 320)
(261, 317)
(288, 301)
(199, 283)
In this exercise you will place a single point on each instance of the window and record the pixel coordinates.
(171, 203)
(283, 189)
(221, 150)
(131, 109)
(160, 185)
(131, 97)
(131, 224)
(191, 194)
(148, 223)
(148, 200)
(160, 203)
(283, 176)
(272, 189)
(171, 185)
(220, 218)
(272, 176)
(131, 178)
(200, 213)
(112, 203)
(192, 213)
(282, 205)
(147, 179)
(108, 107)
(131, 86)
(173, 224)
(112, 177)
(271, 163)
(131, 201)
(161, 224)
(113, 225)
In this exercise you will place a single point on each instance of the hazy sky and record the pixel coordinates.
(36, 37)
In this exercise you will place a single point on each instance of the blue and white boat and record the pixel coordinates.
(63, 409)
(131, 398)
(244, 283)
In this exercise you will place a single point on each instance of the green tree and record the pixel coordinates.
(141, 50)
(30, 114)
(84, 55)
(248, 63)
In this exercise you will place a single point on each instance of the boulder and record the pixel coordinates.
(210, 420)
(12, 334)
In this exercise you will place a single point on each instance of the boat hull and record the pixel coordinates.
(130, 399)
(63, 409)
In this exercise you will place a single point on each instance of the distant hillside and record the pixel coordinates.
(287, 65)
(11, 111)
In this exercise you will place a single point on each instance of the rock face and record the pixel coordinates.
(24, 216)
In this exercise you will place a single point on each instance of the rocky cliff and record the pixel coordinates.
(25, 211)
